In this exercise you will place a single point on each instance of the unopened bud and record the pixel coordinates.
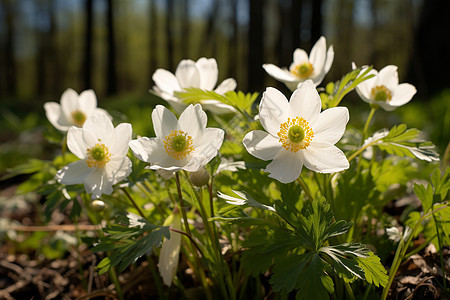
(199, 178)
(98, 205)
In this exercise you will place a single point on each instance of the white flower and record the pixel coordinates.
(202, 74)
(102, 150)
(74, 109)
(170, 250)
(314, 67)
(383, 89)
(184, 144)
(298, 134)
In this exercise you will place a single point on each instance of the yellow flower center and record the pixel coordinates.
(381, 93)
(295, 134)
(98, 156)
(78, 118)
(303, 70)
(178, 144)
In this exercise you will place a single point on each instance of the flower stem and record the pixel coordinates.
(188, 233)
(133, 202)
(366, 126)
(305, 189)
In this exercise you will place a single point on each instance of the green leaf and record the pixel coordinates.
(374, 271)
(401, 141)
(425, 195)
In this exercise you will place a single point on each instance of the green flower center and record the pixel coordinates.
(178, 144)
(303, 70)
(78, 118)
(98, 156)
(381, 93)
(296, 134)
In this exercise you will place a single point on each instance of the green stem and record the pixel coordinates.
(133, 202)
(156, 278)
(351, 296)
(115, 280)
(440, 253)
(188, 233)
(366, 126)
(305, 189)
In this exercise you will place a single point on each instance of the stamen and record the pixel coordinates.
(78, 118)
(303, 70)
(381, 93)
(98, 156)
(178, 144)
(295, 134)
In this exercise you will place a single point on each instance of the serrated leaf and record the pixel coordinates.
(425, 195)
(374, 271)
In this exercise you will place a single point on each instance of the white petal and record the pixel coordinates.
(74, 173)
(286, 166)
(329, 60)
(118, 168)
(299, 57)
(187, 74)
(402, 94)
(97, 183)
(273, 110)
(170, 252)
(56, 117)
(324, 158)
(210, 144)
(193, 121)
(330, 125)
(262, 145)
(318, 54)
(388, 76)
(166, 81)
(77, 143)
(217, 107)
(164, 121)
(209, 72)
(305, 102)
(280, 74)
(320, 74)
(87, 102)
(122, 136)
(364, 88)
(150, 150)
(227, 85)
(101, 128)
(69, 103)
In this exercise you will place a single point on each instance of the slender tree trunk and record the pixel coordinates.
(210, 39)
(153, 59)
(111, 60)
(56, 70)
(10, 61)
(316, 22)
(185, 29)
(233, 41)
(255, 55)
(169, 34)
(88, 45)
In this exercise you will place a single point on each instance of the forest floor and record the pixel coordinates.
(27, 274)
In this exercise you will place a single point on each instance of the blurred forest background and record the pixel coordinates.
(114, 46)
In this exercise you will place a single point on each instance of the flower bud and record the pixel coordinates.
(98, 205)
(199, 178)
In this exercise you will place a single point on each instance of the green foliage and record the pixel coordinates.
(240, 101)
(300, 250)
(401, 141)
(129, 241)
(336, 91)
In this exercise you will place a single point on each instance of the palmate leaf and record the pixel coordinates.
(401, 141)
(239, 100)
(129, 242)
(374, 271)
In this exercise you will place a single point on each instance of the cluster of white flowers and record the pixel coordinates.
(297, 133)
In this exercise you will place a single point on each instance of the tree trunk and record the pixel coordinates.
(88, 45)
(316, 22)
(169, 34)
(185, 28)
(153, 59)
(255, 55)
(10, 62)
(233, 41)
(111, 76)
